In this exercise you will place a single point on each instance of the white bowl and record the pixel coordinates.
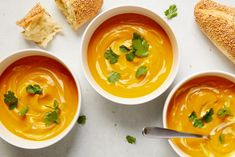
(222, 74)
(96, 22)
(17, 141)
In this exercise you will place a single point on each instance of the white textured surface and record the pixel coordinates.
(104, 133)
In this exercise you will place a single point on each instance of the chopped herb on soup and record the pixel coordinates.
(11, 100)
(221, 138)
(192, 116)
(141, 71)
(52, 116)
(140, 45)
(198, 123)
(114, 77)
(124, 49)
(34, 89)
(223, 112)
(208, 116)
(111, 56)
(130, 56)
(23, 111)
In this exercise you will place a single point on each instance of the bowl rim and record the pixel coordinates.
(164, 25)
(219, 73)
(32, 144)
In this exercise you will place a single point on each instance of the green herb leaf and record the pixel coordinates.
(52, 116)
(130, 56)
(208, 116)
(141, 71)
(34, 89)
(198, 123)
(23, 111)
(10, 100)
(124, 49)
(111, 56)
(139, 45)
(131, 139)
(221, 138)
(114, 77)
(82, 119)
(171, 12)
(192, 116)
(223, 112)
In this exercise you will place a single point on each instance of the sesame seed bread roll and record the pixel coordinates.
(39, 26)
(79, 12)
(217, 22)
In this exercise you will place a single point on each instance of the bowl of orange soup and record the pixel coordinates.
(129, 55)
(204, 104)
(40, 99)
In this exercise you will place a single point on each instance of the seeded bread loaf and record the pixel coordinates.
(39, 26)
(79, 12)
(217, 21)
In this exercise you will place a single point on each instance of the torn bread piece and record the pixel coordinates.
(217, 21)
(79, 12)
(39, 26)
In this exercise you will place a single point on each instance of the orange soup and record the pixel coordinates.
(205, 106)
(130, 55)
(38, 98)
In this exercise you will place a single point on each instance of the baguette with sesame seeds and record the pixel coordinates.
(79, 12)
(217, 21)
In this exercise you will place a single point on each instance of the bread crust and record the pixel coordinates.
(217, 21)
(35, 13)
(39, 26)
(81, 10)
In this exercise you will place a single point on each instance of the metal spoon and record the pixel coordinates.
(157, 132)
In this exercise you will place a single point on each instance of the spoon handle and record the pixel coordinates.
(158, 132)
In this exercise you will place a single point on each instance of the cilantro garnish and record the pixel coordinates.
(34, 89)
(198, 123)
(11, 100)
(23, 111)
(141, 71)
(114, 77)
(139, 45)
(171, 12)
(130, 56)
(221, 138)
(111, 56)
(124, 49)
(192, 116)
(52, 116)
(131, 139)
(81, 119)
(208, 116)
(223, 112)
